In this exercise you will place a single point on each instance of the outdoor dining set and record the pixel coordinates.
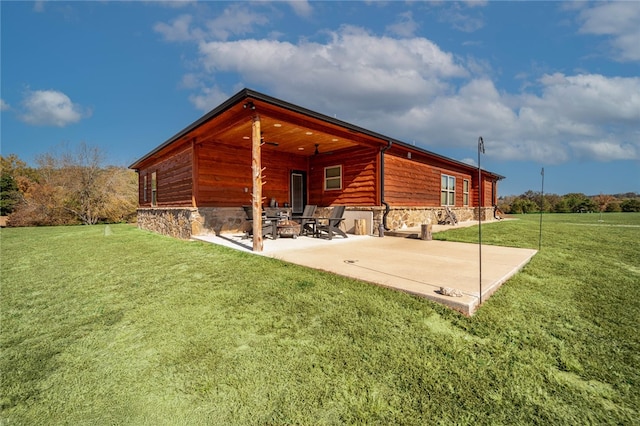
(282, 223)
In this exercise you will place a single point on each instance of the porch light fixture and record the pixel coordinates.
(277, 125)
(308, 133)
(316, 151)
(249, 105)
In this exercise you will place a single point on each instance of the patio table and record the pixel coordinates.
(277, 219)
(309, 220)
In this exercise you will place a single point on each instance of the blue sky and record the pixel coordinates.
(546, 84)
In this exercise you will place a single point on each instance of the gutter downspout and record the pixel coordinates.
(386, 205)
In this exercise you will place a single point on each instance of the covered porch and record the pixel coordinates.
(255, 150)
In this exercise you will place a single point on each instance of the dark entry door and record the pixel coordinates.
(298, 191)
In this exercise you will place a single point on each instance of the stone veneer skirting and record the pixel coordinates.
(184, 222)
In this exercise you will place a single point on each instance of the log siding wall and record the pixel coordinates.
(359, 178)
(174, 180)
(412, 183)
(224, 175)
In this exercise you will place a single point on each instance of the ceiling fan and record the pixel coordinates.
(266, 142)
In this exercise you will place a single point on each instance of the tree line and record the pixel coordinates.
(66, 188)
(533, 202)
(75, 187)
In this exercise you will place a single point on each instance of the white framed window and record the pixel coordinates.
(154, 189)
(332, 178)
(448, 190)
(465, 192)
(144, 188)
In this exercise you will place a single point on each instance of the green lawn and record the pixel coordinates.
(137, 328)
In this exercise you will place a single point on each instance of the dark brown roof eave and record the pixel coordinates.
(210, 115)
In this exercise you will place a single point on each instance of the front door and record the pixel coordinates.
(298, 191)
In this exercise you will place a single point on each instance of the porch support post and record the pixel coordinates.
(256, 173)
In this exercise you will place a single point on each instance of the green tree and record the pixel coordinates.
(9, 194)
(550, 202)
(523, 205)
(613, 207)
(12, 171)
(579, 203)
(561, 206)
(630, 205)
(504, 203)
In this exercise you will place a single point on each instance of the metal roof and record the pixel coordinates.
(246, 93)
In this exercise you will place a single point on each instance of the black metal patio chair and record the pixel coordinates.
(307, 221)
(330, 226)
(269, 227)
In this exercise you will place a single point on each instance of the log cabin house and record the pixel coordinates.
(256, 147)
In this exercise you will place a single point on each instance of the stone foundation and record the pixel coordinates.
(184, 222)
(174, 222)
(409, 217)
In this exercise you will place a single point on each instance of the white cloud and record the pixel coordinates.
(177, 4)
(605, 150)
(410, 89)
(178, 30)
(352, 68)
(621, 21)
(38, 6)
(233, 21)
(461, 19)
(405, 26)
(4, 106)
(51, 108)
(476, 3)
(301, 7)
(584, 116)
(208, 98)
(470, 161)
(592, 98)
(190, 81)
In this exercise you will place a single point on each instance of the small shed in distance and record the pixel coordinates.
(198, 180)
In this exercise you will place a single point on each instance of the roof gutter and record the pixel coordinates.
(382, 201)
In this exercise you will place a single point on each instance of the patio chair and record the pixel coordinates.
(331, 227)
(269, 227)
(447, 217)
(452, 216)
(307, 221)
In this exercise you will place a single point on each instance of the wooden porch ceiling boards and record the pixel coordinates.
(294, 129)
(293, 132)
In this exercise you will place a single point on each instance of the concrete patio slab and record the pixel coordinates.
(414, 266)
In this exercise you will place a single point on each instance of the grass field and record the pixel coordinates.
(136, 328)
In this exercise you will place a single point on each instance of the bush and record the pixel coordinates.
(613, 207)
(631, 205)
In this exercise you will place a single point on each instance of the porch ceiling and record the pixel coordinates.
(282, 130)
